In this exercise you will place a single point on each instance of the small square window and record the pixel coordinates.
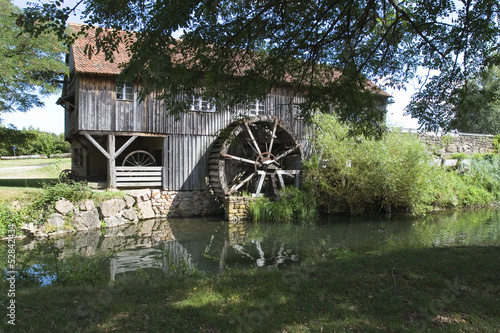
(126, 92)
(200, 103)
(257, 107)
(296, 111)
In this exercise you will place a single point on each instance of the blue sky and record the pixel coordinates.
(50, 118)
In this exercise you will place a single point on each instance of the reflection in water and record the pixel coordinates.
(178, 246)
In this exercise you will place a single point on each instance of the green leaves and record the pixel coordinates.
(363, 175)
(326, 50)
(30, 67)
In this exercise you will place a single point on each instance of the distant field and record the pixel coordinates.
(33, 168)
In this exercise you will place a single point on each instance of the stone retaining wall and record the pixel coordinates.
(134, 206)
(448, 144)
(237, 208)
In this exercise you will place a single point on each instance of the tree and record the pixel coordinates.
(31, 141)
(29, 67)
(479, 110)
(235, 50)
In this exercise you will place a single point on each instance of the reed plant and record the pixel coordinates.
(292, 204)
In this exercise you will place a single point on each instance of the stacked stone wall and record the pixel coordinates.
(134, 206)
(237, 208)
(448, 144)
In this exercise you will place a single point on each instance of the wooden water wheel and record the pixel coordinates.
(257, 155)
(139, 158)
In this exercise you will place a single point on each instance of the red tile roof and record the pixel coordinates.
(97, 63)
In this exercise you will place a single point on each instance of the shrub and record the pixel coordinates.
(9, 217)
(365, 175)
(496, 143)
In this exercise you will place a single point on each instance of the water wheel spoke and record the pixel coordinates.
(270, 149)
(236, 158)
(243, 182)
(262, 175)
(287, 152)
(252, 137)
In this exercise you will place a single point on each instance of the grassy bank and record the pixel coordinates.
(437, 289)
(32, 169)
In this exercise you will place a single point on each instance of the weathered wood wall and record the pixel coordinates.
(99, 110)
(189, 137)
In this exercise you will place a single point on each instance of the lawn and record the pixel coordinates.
(418, 290)
(33, 168)
(21, 180)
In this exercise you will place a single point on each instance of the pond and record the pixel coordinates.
(177, 246)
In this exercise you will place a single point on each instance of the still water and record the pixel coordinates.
(212, 245)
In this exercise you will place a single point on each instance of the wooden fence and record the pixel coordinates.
(127, 176)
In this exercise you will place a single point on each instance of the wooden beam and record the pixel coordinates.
(125, 145)
(97, 145)
(252, 137)
(116, 133)
(111, 162)
(273, 135)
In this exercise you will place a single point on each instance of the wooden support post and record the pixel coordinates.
(111, 162)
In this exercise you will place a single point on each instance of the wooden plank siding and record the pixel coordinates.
(189, 136)
(98, 110)
(185, 161)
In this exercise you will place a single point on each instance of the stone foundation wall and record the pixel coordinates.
(185, 203)
(134, 206)
(237, 208)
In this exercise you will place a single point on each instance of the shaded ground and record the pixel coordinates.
(422, 290)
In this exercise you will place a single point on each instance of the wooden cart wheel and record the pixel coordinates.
(256, 157)
(68, 175)
(139, 158)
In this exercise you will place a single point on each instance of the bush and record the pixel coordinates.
(9, 217)
(394, 174)
(496, 143)
(31, 142)
(365, 175)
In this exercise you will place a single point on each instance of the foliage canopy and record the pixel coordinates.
(31, 141)
(227, 46)
(478, 103)
(30, 67)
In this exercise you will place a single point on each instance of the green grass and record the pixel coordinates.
(25, 195)
(26, 162)
(27, 169)
(435, 290)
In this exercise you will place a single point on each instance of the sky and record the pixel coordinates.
(50, 118)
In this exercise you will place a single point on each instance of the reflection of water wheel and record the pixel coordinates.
(139, 158)
(258, 155)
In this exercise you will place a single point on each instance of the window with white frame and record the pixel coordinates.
(257, 107)
(296, 111)
(125, 92)
(201, 103)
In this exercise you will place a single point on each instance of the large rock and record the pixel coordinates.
(112, 207)
(64, 206)
(56, 220)
(145, 210)
(129, 201)
(140, 195)
(114, 221)
(130, 215)
(87, 220)
(87, 205)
